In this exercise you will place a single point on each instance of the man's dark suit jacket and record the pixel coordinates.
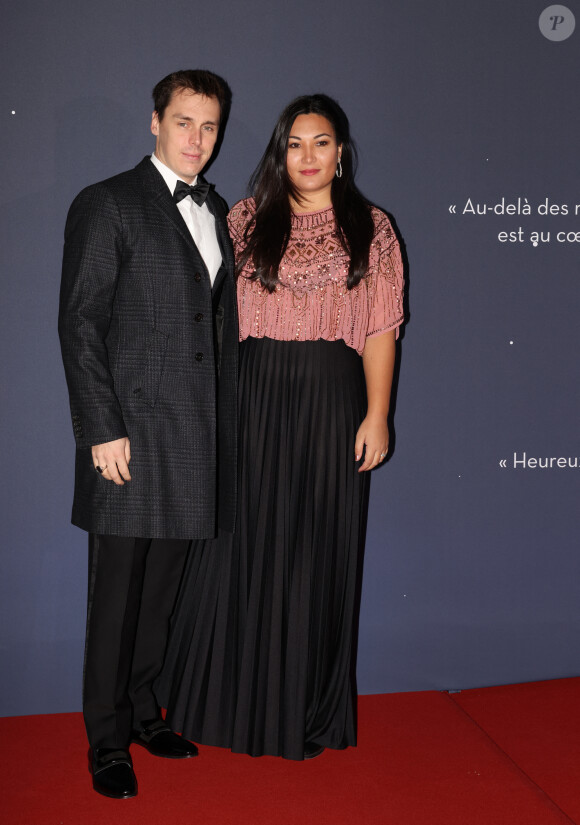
(141, 332)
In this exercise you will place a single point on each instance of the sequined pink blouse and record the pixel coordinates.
(311, 300)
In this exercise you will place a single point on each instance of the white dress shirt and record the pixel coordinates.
(199, 220)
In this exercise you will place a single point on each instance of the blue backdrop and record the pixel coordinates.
(472, 567)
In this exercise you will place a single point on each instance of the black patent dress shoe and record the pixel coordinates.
(112, 772)
(312, 750)
(160, 740)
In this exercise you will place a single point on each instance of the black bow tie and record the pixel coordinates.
(198, 192)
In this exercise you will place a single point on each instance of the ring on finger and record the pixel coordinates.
(100, 469)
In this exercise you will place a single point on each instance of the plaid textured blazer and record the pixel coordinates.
(145, 342)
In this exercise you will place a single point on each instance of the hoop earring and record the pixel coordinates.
(338, 172)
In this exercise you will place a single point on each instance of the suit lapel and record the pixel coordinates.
(216, 207)
(158, 193)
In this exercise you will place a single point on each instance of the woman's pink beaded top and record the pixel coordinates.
(311, 300)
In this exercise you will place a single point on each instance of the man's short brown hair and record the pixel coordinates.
(198, 81)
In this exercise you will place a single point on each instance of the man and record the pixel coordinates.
(148, 327)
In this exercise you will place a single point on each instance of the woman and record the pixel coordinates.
(261, 657)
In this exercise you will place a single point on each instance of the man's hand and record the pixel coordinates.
(113, 458)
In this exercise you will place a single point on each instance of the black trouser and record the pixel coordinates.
(132, 588)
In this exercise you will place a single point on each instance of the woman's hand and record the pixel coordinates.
(373, 433)
(373, 436)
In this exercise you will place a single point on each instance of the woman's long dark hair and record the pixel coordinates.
(267, 234)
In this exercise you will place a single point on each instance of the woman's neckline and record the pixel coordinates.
(312, 212)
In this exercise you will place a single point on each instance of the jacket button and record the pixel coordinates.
(199, 356)
(137, 391)
(199, 316)
(197, 277)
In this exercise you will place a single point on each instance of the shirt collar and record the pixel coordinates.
(168, 174)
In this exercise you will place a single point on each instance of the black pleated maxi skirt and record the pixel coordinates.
(263, 639)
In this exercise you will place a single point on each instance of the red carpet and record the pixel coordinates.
(499, 756)
(538, 726)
